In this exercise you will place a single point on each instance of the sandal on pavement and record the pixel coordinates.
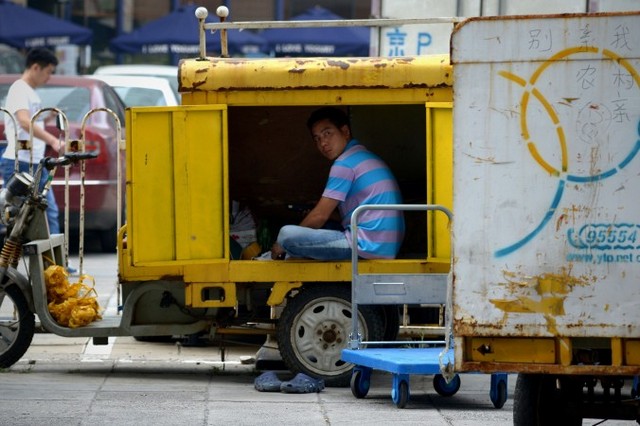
(267, 382)
(302, 383)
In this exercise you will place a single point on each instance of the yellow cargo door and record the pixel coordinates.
(177, 184)
(439, 176)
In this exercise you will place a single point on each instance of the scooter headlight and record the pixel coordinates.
(12, 196)
(19, 184)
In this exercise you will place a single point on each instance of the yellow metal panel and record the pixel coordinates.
(320, 96)
(151, 223)
(194, 295)
(280, 290)
(616, 351)
(632, 352)
(565, 350)
(177, 165)
(294, 73)
(199, 174)
(222, 270)
(534, 351)
(439, 172)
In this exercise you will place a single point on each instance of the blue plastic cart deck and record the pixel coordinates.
(399, 360)
(403, 362)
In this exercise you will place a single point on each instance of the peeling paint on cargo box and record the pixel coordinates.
(551, 290)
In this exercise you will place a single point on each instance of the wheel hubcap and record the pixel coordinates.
(320, 332)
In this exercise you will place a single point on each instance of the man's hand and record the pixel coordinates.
(277, 252)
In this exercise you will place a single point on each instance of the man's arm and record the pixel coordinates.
(315, 219)
(319, 215)
(24, 121)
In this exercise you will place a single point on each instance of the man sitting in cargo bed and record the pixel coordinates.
(357, 177)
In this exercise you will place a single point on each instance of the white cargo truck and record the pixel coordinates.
(547, 215)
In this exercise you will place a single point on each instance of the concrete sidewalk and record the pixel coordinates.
(62, 381)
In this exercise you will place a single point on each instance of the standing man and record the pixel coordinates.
(23, 102)
(357, 177)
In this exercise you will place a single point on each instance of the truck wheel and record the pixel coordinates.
(314, 328)
(391, 315)
(537, 402)
(17, 325)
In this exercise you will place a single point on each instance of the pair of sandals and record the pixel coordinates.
(301, 383)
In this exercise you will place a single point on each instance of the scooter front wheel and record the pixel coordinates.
(17, 325)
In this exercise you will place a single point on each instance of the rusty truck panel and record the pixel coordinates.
(546, 190)
(217, 74)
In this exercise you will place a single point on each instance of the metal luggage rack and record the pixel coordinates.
(430, 357)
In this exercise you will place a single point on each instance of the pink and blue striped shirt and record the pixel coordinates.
(359, 177)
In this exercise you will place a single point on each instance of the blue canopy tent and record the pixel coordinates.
(24, 28)
(177, 33)
(335, 41)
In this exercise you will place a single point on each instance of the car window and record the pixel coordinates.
(4, 89)
(75, 102)
(137, 96)
(113, 102)
(173, 82)
(11, 61)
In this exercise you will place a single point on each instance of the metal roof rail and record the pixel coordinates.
(223, 12)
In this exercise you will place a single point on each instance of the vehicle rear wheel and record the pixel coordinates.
(17, 325)
(314, 328)
(537, 402)
(391, 322)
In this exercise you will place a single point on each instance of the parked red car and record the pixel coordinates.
(75, 96)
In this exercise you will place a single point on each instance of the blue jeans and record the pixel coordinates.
(319, 244)
(7, 168)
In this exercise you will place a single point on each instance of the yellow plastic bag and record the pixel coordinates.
(71, 305)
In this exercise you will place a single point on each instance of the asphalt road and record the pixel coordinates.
(69, 381)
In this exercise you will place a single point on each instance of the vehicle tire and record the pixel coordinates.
(314, 327)
(446, 389)
(17, 325)
(391, 322)
(108, 240)
(536, 402)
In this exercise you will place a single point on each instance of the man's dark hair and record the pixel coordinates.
(41, 56)
(336, 116)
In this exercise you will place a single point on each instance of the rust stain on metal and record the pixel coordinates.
(340, 64)
(297, 70)
(519, 367)
(549, 293)
(568, 101)
(197, 84)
